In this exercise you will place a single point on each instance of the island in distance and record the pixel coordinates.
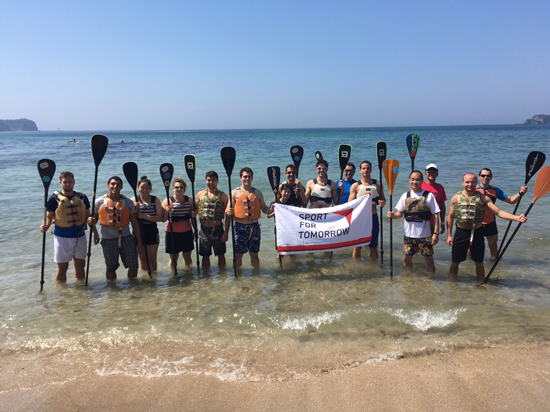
(539, 119)
(19, 125)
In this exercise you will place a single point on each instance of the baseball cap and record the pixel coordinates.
(432, 167)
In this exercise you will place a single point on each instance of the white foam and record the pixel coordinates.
(302, 322)
(426, 319)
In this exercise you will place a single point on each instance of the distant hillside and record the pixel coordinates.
(539, 119)
(19, 125)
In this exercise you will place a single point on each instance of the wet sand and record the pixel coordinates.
(494, 379)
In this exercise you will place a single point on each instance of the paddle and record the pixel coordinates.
(46, 170)
(391, 169)
(381, 151)
(297, 152)
(190, 163)
(166, 174)
(535, 160)
(542, 187)
(274, 177)
(413, 140)
(344, 154)
(229, 155)
(318, 155)
(99, 145)
(130, 170)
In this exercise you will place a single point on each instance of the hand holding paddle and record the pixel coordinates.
(391, 170)
(413, 141)
(46, 170)
(166, 174)
(229, 155)
(381, 151)
(191, 168)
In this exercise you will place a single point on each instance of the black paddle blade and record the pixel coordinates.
(274, 177)
(190, 163)
(99, 148)
(318, 155)
(166, 174)
(296, 153)
(228, 159)
(130, 170)
(381, 152)
(535, 161)
(46, 170)
(344, 154)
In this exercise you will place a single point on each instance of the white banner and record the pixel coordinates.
(302, 230)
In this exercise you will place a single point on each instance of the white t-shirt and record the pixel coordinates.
(418, 229)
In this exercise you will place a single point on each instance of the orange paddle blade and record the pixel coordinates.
(391, 169)
(542, 184)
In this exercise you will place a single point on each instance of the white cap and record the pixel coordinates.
(432, 166)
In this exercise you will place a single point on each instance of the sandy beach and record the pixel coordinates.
(503, 378)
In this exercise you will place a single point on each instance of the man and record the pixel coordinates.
(248, 203)
(211, 205)
(468, 208)
(115, 213)
(490, 230)
(418, 206)
(344, 186)
(364, 187)
(321, 192)
(69, 211)
(439, 193)
(297, 195)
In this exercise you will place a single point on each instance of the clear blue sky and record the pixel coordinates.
(127, 65)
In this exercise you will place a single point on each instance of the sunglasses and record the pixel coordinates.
(290, 173)
(349, 171)
(485, 175)
(321, 168)
(178, 187)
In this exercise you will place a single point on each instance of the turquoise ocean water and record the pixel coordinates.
(312, 316)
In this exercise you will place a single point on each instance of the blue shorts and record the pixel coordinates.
(375, 231)
(247, 238)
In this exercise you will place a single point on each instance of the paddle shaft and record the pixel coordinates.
(44, 240)
(381, 223)
(232, 225)
(143, 239)
(174, 255)
(196, 227)
(391, 241)
(509, 224)
(91, 231)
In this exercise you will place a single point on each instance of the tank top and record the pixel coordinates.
(181, 211)
(147, 209)
(293, 199)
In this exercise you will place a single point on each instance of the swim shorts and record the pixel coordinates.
(411, 246)
(461, 244)
(247, 238)
(211, 238)
(375, 231)
(183, 242)
(127, 252)
(149, 234)
(65, 248)
(489, 229)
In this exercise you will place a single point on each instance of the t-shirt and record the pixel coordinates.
(111, 232)
(418, 229)
(74, 230)
(347, 187)
(439, 193)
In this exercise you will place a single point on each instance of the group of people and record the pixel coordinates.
(423, 208)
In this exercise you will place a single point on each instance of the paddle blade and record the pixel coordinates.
(274, 177)
(413, 141)
(318, 155)
(130, 170)
(166, 174)
(46, 170)
(190, 164)
(535, 160)
(381, 152)
(99, 148)
(344, 154)
(542, 184)
(390, 168)
(296, 153)
(228, 159)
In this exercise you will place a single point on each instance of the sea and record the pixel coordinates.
(311, 316)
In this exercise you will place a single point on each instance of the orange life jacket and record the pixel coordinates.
(247, 207)
(111, 214)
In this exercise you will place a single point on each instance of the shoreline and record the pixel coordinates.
(500, 378)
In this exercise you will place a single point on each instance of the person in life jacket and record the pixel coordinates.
(115, 212)
(468, 209)
(246, 206)
(417, 206)
(321, 192)
(490, 230)
(211, 205)
(298, 191)
(369, 186)
(68, 210)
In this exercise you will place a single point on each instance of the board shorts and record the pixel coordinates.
(211, 238)
(412, 245)
(375, 231)
(65, 248)
(183, 242)
(461, 244)
(127, 252)
(247, 238)
(489, 229)
(149, 234)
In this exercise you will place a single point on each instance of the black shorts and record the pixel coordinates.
(183, 242)
(490, 229)
(211, 238)
(149, 234)
(461, 244)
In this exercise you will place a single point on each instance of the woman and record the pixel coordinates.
(149, 212)
(182, 213)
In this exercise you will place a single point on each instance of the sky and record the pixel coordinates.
(180, 65)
